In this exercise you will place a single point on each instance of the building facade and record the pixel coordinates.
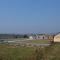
(57, 38)
(39, 37)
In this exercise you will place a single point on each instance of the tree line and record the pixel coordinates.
(8, 36)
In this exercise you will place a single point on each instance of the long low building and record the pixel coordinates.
(41, 37)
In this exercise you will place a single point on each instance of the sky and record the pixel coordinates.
(29, 16)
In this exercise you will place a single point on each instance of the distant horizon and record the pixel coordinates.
(29, 16)
(32, 33)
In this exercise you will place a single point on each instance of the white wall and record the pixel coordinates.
(56, 39)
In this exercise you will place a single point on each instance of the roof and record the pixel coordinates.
(58, 35)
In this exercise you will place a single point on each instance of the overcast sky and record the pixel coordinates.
(29, 16)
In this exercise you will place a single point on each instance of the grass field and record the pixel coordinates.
(8, 52)
(15, 53)
(53, 52)
(40, 41)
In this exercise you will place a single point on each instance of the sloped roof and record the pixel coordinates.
(57, 36)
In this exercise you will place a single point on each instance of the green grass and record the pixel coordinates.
(15, 53)
(51, 52)
(40, 41)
